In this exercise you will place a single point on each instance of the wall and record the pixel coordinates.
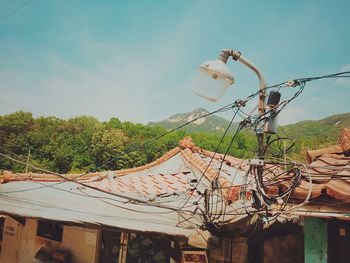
(228, 250)
(315, 231)
(240, 250)
(287, 249)
(22, 246)
(11, 241)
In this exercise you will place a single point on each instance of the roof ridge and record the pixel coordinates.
(209, 172)
(8, 176)
(160, 160)
(343, 147)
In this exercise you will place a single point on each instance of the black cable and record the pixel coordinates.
(257, 121)
(222, 109)
(215, 152)
(223, 160)
(131, 199)
(334, 75)
(12, 12)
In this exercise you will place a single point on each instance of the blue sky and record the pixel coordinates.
(136, 60)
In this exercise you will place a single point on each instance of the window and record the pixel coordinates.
(50, 230)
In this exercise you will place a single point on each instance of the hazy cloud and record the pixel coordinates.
(292, 114)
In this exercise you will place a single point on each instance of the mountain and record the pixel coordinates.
(211, 124)
(326, 129)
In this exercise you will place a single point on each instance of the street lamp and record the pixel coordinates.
(215, 77)
(220, 77)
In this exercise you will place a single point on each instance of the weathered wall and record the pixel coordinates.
(82, 241)
(11, 241)
(229, 250)
(239, 250)
(286, 249)
(316, 247)
(22, 246)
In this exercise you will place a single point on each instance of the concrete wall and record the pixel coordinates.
(21, 243)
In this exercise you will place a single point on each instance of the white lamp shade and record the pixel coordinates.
(214, 78)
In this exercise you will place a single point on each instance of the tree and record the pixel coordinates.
(108, 144)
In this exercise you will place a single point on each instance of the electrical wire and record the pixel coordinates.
(334, 75)
(14, 11)
(251, 121)
(221, 164)
(213, 156)
(131, 199)
(222, 109)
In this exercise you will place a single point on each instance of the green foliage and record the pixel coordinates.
(84, 144)
(80, 144)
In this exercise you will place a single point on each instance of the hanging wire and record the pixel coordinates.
(250, 121)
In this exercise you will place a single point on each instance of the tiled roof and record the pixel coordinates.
(157, 197)
(174, 172)
(183, 171)
(330, 172)
(184, 166)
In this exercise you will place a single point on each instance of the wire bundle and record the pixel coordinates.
(257, 179)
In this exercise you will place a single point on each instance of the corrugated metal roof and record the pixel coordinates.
(69, 202)
(167, 182)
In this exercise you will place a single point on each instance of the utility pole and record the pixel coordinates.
(27, 165)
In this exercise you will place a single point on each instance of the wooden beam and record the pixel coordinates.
(19, 219)
(124, 238)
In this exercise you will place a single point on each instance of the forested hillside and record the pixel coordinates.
(84, 144)
(326, 130)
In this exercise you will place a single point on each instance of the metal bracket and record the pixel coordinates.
(256, 162)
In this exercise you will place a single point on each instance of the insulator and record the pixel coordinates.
(274, 99)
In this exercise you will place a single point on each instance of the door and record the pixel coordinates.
(109, 247)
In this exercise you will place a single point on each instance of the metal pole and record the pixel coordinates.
(261, 103)
(27, 164)
(237, 56)
(258, 245)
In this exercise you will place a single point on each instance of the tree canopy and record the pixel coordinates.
(84, 144)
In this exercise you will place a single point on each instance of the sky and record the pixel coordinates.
(137, 60)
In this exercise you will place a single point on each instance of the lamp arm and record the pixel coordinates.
(262, 83)
(237, 56)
